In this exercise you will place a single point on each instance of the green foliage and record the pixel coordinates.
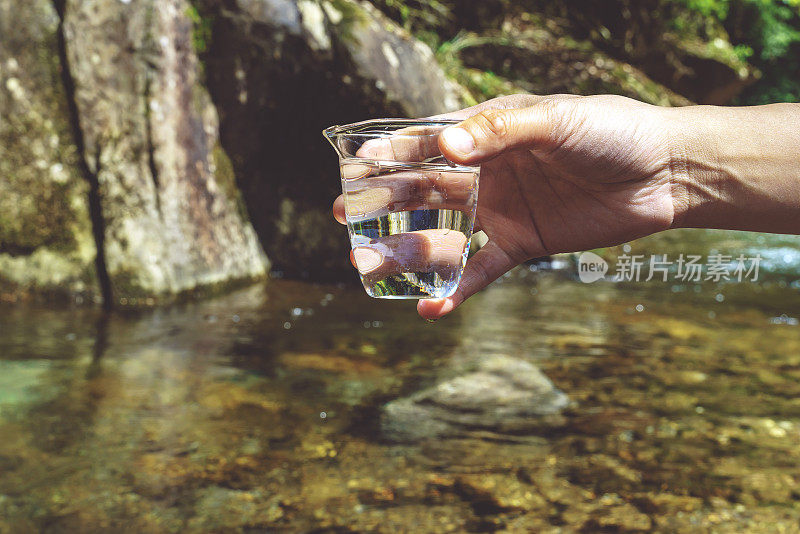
(709, 8)
(777, 27)
(766, 33)
(481, 84)
(416, 14)
(758, 39)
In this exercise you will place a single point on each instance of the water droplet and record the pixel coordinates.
(287, 325)
(639, 308)
(323, 415)
(626, 248)
(297, 312)
(719, 297)
(235, 318)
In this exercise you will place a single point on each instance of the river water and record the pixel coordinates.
(258, 411)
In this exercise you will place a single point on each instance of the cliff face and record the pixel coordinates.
(152, 148)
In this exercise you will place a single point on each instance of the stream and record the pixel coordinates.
(261, 410)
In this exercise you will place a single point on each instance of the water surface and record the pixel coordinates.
(258, 411)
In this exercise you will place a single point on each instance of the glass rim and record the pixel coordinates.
(337, 129)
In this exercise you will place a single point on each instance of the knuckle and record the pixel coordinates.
(493, 122)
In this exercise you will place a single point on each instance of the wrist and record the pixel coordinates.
(699, 184)
(735, 168)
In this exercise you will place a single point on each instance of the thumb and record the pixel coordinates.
(494, 131)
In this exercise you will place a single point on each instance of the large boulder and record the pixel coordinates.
(147, 133)
(112, 183)
(279, 72)
(46, 242)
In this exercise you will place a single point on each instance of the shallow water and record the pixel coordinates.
(258, 411)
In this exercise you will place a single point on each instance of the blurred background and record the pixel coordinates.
(183, 346)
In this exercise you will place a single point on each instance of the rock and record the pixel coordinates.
(46, 242)
(279, 71)
(618, 517)
(224, 509)
(112, 184)
(503, 396)
(167, 217)
(496, 493)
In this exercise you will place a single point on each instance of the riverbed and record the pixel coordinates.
(259, 410)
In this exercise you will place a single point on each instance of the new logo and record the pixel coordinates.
(591, 267)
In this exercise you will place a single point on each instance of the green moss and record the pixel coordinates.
(46, 242)
(128, 292)
(352, 16)
(201, 29)
(226, 179)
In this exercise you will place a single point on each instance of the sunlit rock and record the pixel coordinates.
(503, 395)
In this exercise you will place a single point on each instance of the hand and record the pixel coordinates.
(558, 174)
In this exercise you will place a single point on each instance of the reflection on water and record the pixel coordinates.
(260, 411)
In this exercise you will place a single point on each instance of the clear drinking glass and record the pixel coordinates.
(409, 210)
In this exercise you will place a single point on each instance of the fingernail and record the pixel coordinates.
(459, 140)
(367, 259)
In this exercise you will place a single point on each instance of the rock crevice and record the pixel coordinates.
(89, 174)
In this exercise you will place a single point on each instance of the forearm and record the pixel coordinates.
(737, 168)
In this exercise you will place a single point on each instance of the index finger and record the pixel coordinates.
(411, 144)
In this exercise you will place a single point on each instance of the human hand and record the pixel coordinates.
(558, 174)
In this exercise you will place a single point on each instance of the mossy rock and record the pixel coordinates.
(46, 241)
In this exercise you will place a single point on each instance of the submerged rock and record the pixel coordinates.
(503, 395)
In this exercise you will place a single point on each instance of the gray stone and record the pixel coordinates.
(502, 396)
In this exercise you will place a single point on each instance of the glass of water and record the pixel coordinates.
(409, 210)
